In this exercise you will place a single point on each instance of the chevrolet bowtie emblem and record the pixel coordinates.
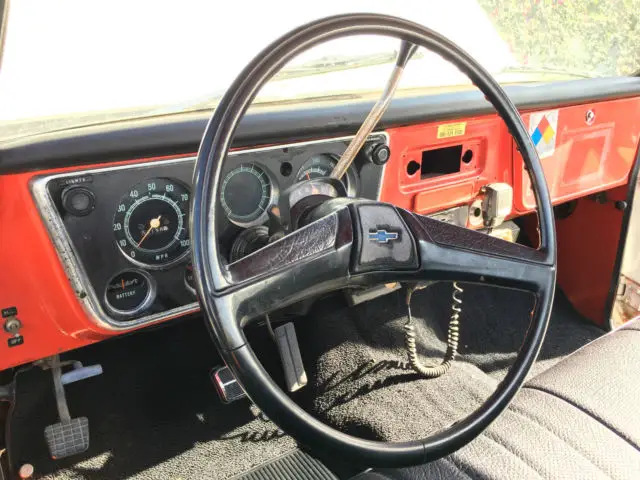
(382, 236)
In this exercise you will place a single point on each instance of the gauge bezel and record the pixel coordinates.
(146, 303)
(351, 186)
(126, 229)
(273, 198)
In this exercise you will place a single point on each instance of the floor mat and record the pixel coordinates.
(359, 377)
(154, 414)
(292, 466)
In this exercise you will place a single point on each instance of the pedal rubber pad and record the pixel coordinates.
(67, 438)
(294, 373)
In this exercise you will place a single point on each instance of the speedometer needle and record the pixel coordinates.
(153, 224)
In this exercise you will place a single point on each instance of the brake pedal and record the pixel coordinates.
(70, 436)
(228, 388)
(294, 373)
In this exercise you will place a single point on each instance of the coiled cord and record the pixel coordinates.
(453, 335)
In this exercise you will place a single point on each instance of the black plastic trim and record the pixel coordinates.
(181, 133)
(626, 219)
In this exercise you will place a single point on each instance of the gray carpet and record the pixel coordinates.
(155, 415)
(361, 382)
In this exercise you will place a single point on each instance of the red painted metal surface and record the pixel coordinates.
(587, 246)
(486, 137)
(588, 158)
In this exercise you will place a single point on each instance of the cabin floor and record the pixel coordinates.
(154, 412)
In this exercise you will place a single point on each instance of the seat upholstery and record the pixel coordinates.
(579, 419)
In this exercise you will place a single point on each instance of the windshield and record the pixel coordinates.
(74, 63)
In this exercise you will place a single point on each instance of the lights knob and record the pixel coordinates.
(78, 201)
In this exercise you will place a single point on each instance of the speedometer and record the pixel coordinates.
(151, 223)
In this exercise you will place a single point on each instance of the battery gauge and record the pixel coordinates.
(129, 293)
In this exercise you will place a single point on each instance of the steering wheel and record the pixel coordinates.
(335, 252)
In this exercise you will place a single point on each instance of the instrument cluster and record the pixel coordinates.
(123, 232)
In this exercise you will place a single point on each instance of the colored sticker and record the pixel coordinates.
(452, 129)
(543, 128)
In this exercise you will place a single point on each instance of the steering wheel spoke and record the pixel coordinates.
(307, 262)
(450, 252)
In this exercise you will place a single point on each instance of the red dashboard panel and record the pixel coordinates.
(486, 138)
(588, 157)
(594, 147)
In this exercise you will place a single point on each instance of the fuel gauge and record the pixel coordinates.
(129, 293)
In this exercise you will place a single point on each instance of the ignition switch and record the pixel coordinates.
(12, 325)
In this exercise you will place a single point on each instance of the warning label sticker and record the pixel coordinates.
(451, 129)
(543, 128)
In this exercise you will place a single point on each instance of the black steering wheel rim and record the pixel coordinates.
(212, 279)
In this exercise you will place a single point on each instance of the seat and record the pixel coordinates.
(579, 419)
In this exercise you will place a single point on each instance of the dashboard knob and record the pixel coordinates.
(78, 201)
(377, 153)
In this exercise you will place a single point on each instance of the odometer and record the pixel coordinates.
(151, 223)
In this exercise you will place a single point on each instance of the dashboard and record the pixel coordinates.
(122, 232)
(94, 222)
